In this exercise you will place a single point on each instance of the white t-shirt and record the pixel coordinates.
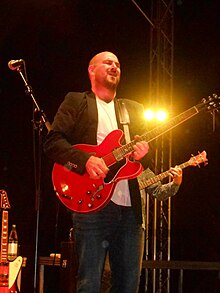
(107, 123)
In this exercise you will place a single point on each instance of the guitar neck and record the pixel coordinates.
(4, 238)
(121, 152)
(144, 184)
(158, 131)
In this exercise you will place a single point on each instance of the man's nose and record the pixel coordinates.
(114, 65)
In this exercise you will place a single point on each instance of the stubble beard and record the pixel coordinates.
(112, 84)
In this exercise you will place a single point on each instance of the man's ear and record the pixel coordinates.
(91, 70)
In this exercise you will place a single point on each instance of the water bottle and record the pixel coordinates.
(13, 244)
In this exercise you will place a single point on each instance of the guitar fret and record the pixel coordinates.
(127, 149)
(124, 150)
(184, 165)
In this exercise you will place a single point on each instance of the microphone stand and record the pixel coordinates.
(38, 125)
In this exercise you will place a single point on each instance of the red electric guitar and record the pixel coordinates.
(193, 161)
(82, 194)
(8, 270)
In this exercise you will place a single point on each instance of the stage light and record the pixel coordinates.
(161, 115)
(155, 115)
(149, 114)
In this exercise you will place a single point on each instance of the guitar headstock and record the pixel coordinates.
(199, 159)
(211, 103)
(4, 200)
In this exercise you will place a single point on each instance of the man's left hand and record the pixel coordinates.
(177, 175)
(140, 148)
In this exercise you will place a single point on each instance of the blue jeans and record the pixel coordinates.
(113, 229)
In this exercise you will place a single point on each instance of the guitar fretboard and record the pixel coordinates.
(121, 152)
(155, 179)
(194, 161)
(4, 237)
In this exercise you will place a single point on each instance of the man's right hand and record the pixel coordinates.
(96, 168)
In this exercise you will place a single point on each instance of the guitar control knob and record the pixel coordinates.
(80, 201)
(90, 205)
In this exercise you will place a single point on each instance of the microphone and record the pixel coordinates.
(15, 64)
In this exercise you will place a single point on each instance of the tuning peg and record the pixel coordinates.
(216, 96)
(197, 164)
(205, 160)
(217, 101)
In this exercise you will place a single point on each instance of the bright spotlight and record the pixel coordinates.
(161, 115)
(149, 114)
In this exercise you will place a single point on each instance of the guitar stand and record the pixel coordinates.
(39, 120)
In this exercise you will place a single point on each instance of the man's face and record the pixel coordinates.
(106, 70)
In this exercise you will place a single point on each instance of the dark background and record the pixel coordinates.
(57, 39)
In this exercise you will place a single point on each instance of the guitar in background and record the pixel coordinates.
(8, 270)
(193, 161)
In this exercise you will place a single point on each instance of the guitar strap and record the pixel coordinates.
(125, 121)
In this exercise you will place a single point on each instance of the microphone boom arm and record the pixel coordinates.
(29, 91)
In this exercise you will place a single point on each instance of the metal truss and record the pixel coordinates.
(161, 94)
(158, 214)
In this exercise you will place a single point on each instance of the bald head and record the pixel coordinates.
(104, 73)
(100, 56)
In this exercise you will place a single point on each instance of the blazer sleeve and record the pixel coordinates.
(58, 144)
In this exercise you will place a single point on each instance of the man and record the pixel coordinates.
(86, 118)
